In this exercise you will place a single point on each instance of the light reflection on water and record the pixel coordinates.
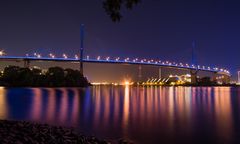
(141, 114)
(3, 104)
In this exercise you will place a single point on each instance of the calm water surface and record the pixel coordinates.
(143, 115)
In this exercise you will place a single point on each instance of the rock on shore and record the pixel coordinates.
(20, 132)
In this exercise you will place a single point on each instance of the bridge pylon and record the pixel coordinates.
(81, 47)
(194, 62)
(140, 73)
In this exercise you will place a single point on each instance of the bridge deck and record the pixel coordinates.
(153, 63)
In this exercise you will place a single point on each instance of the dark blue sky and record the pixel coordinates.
(161, 29)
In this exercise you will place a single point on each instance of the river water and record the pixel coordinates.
(139, 114)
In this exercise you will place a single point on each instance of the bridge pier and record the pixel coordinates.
(215, 75)
(140, 73)
(160, 73)
(26, 63)
(193, 76)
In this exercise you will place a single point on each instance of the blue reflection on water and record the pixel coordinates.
(144, 115)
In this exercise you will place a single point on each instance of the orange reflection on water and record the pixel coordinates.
(97, 99)
(48, 109)
(170, 106)
(156, 101)
(51, 105)
(106, 100)
(138, 109)
(116, 106)
(209, 94)
(76, 106)
(223, 112)
(64, 105)
(183, 106)
(37, 104)
(126, 109)
(3, 104)
(140, 106)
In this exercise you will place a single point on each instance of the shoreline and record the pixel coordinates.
(7, 86)
(21, 132)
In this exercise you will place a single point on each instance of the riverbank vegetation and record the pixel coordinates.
(53, 77)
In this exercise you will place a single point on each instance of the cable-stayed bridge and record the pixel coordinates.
(108, 60)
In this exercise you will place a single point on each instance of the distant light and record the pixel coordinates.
(2, 52)
(51, 55)
(65, 56)
(76, 57)
(126, 83)
(98, 58)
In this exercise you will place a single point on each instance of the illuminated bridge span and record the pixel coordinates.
(194, 69)
(108, 60)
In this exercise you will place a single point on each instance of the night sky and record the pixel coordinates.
(162, 29)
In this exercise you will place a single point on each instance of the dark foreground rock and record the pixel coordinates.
(17, 132)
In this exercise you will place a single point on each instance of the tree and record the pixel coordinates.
(25, 77)
(206, 81)
(75, 78)
(10, 74)
(55, 76)
(113, 7)
(70, 77)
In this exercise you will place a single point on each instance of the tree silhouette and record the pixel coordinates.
(113, 7)
(10, 74)
(54, 77)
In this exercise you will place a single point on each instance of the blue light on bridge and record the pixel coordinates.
(136, 61)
